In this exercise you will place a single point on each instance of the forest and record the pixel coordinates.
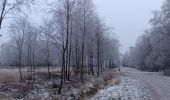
(72, 40)
(68, 50)
(152, 51)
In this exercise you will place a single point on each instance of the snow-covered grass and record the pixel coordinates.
(128, 89)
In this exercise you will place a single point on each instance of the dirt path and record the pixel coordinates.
(158, 86)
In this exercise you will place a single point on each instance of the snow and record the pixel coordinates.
(158, 85)
(128, 89)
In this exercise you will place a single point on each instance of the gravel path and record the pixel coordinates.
(158, 86)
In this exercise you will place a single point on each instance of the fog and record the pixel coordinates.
(84, 49)
(128, 17)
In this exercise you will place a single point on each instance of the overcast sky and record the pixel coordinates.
(128, 17)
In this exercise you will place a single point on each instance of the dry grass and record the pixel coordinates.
(3, 97)
(73, 88)
(8, 75)
(11, 75)
(109, 78)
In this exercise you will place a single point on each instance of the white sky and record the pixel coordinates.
(128, 17)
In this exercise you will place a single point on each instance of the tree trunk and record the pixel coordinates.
(82, 64)
(20, 67)
(98, 60)
(70, 49)
(48, 59)
(62, 72)
(2, 12)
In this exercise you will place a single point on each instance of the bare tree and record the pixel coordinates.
(151, 51)
(9, 6)
(18, 30)
(47, 31)
(74, 38)
(67, 7)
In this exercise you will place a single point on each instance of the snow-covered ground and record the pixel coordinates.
(157, 84)
(128, 89)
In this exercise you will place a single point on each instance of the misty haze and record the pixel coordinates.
(85, 50)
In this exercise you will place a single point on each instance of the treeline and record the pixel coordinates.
(73, 38)
(152, 50)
